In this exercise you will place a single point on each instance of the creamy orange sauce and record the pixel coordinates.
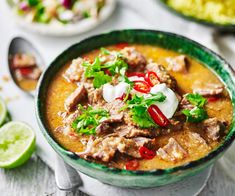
(197, 76)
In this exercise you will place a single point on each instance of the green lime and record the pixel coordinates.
(3, 111)
(17, 143)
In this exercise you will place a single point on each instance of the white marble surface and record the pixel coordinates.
(35, 178)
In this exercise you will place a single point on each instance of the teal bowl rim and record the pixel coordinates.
(156, 172)
(229, 27)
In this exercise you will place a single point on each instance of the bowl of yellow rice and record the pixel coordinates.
(216, 13)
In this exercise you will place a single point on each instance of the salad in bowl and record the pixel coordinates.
(61, 17)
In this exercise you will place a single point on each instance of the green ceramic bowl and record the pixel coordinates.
(217, 26)
(137, 179)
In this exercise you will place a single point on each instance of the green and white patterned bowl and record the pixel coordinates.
(137, 179)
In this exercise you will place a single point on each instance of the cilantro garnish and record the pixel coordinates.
(100, 78)
(139, 106)
(90, 118)
(195, 115)
(196, 99)
(198, 113)
(116, 65)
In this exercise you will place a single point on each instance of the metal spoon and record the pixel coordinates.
(67, 178)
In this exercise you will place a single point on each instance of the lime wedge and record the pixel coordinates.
(3, 111)
(17, 143)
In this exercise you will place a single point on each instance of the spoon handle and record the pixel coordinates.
(67, 178)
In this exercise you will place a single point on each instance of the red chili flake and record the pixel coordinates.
(132, 165)
(146, 153)
(121, 45)
(212, 99)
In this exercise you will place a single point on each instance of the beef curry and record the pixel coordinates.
(138, 107)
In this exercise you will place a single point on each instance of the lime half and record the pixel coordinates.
(3, 111)
(17, 143)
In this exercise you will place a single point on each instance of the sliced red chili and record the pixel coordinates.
(141, 86)
(212, 99)
(138, 74)
(25, 71)
(121, 45)
(145, 153)
(132, 165)
(152, 78)
(157, 116)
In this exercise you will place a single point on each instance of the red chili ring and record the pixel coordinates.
(141, 86)
(152, 78)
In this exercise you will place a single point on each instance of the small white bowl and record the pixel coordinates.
(58, 29)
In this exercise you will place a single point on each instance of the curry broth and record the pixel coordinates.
(197, 76)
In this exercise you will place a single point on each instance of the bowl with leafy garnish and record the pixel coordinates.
(131, 108)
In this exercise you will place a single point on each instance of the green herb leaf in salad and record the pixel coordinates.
(90, 118)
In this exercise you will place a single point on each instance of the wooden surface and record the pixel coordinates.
(35, 178)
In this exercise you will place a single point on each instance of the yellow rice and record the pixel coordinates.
(217, 11)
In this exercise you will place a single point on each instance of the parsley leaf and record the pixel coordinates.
(90, 118)
(195, 115)
(139, 106)
(100, 79)
(196, 99)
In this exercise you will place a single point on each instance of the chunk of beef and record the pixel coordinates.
(213, 127)
(132, 131)
(172, 151)
(185, 104)
(133, 58)
(143, 141)
(104, 148)
(95, 96)
(74, 98)
(177, 64)
(68, 131)
(211, 90)
(75, 71)
(196, 138)
(23, 60)
(114, 108)
(69, 118)
(194, 141)
(163, 75)
(102, 128)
